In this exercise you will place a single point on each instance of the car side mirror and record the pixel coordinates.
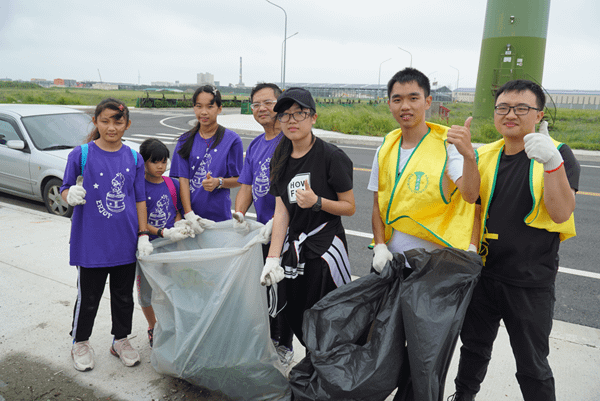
(15, 144)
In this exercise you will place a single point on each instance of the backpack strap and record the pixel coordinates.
(172, 190)
(84, 153)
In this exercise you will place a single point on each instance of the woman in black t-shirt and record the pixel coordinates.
(312, 182)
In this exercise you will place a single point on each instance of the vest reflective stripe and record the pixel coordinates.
(412, 200)
(489, 160)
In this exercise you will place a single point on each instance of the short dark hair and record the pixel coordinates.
(264, 85)
(520, 85)
(153, 150)
(409, 75)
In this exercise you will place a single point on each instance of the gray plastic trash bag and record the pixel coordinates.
(355, 339)
(213, 327)
(386, 331)
(435, 297)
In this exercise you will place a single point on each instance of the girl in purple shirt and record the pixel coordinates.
(208, 160)
(104, 181)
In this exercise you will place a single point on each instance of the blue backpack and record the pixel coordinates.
(84, 154)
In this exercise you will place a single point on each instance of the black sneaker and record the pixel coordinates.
(461, 397)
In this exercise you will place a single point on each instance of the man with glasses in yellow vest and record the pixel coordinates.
(528, 185)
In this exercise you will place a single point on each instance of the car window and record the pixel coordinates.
(7, 132)
(55, 131)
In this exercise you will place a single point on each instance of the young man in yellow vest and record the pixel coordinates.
(528, 185)
(419, 175)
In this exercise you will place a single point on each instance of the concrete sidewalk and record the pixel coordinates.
(38, 288)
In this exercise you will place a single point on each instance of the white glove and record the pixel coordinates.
(539, 146)
(472, 248)
(272, 273)
(177, 233)
(239, 223)
(381, 257)
(185, 226)
(198, 223)
(76, 194)
(144, 246)
(264, 235)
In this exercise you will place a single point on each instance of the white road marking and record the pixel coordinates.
(566, 270)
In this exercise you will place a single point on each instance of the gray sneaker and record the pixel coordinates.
(286, 355)
(83, 356)
(121, 348)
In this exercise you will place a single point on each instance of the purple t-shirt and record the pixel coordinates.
(257, 173)
(225, 160)
(159, 204)
(104, 229)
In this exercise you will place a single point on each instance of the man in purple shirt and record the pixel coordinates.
(255, 180)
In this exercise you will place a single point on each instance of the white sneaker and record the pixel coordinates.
(286, 355)
(83, 356)
(121, 348)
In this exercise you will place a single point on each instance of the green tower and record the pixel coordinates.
(513, 47)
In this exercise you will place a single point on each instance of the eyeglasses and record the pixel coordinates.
(269, 104)
(520, 109)
(298, 116)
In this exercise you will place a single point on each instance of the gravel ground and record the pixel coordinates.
(24, 379)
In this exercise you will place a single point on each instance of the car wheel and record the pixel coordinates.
(54, 201)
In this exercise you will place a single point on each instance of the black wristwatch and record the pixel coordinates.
(317, 206)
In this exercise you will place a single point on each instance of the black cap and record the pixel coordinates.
(295, 95)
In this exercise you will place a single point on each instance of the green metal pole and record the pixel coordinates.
(513, 47)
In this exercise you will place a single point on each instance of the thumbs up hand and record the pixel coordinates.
(210, 183)
(460, 137)
(539, 147)
(306, 197)
(76, 194)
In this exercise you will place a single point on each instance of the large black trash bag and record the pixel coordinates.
(435, 297)
(355, 341)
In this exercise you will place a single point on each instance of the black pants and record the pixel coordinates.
(280, 329)
(90, 286)
(527, 314)
(306, 290)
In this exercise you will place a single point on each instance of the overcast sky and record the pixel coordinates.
(337, 41)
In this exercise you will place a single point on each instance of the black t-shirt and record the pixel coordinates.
(522, 256)
(329, 172)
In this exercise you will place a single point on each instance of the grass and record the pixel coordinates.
(577, 128)
(35, 94)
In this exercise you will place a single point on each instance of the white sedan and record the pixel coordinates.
(35, 141)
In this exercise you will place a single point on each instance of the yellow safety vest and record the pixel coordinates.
(488, 161)
(412, 200)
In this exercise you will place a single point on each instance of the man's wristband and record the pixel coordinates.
(159, 232)
(556, 169)
(140, 233)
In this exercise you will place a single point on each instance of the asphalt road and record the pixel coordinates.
(578, 281)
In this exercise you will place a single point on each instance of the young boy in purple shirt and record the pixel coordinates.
(164, 215)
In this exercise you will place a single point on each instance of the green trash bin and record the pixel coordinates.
(246, 108)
